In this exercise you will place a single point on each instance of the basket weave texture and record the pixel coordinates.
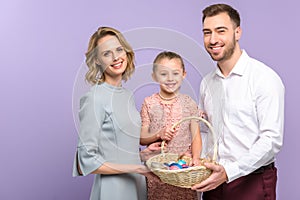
(187, 177)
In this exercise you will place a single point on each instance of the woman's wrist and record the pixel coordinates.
(140, 169)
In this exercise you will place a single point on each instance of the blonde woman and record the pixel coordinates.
(108, 144)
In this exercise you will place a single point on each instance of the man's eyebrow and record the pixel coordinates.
(221, 27)
(218, 28)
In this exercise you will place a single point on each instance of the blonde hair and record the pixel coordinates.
(95, 73)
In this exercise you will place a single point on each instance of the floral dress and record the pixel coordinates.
(157, 114)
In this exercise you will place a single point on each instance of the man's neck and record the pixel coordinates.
(226, 66)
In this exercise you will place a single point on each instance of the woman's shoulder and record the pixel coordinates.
(95, 92)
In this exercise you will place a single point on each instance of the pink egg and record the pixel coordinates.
(174, 167)
(184, 166)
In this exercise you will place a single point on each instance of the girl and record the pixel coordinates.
(160, 111)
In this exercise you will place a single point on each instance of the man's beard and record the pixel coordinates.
(227, 52)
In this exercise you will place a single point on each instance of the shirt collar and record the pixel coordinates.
(239, 67)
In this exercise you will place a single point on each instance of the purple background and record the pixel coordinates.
(42, 48)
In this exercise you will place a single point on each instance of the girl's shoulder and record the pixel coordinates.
(186, 97)
(153, 98)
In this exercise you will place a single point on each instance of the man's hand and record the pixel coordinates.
(217, 177)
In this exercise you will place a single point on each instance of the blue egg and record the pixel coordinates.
(181, 162)
(176, 164)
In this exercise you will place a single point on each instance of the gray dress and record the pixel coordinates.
(110, 132)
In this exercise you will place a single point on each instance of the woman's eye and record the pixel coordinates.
(120, 49)
(106, 54)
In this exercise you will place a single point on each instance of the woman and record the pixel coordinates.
(109, 135)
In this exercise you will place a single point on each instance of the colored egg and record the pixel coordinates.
(181, 162)
(173, 167)
(177, 165)
(185, 166)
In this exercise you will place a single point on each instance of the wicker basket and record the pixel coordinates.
(187, 177)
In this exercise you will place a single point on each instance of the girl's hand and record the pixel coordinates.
(202, 114)
(196, 162)
(166, 134)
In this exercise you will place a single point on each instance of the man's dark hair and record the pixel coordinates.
(216, 9)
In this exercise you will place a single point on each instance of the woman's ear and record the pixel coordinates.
(97, 61)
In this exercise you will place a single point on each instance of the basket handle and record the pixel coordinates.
(207, 124)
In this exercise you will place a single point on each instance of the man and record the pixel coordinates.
(244, 100)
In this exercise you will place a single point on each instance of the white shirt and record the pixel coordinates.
(246, 109)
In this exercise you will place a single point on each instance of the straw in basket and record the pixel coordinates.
(187, 177)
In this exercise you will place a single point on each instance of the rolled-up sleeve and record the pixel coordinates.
(91, 116)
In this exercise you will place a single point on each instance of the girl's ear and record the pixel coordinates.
(154, 77)
(184, 74)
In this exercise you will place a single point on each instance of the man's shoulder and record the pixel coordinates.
(208, 77)
(261, 69)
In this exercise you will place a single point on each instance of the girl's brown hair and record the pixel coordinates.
(167, 54)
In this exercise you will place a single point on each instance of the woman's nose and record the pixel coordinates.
(115, 56)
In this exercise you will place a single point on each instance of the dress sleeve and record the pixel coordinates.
(91, 117)
(145, 114)
(193, 107)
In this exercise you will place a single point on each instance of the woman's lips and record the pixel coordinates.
(117, 65)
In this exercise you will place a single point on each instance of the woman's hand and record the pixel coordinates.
(151, 150)
(154, 147)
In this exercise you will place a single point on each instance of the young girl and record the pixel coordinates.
(108, 143)
(159, 112)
